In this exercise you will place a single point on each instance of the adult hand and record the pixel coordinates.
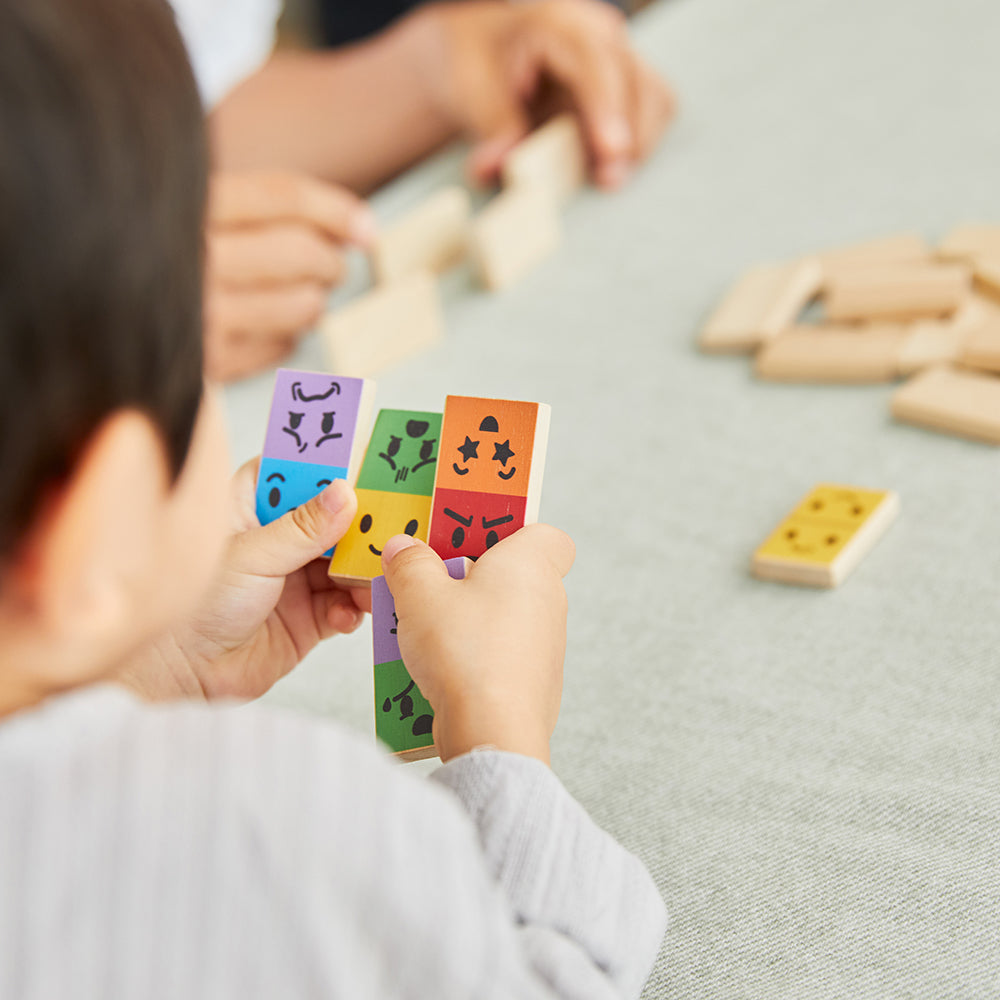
(271, 603)
(500, 64)
(275, 245)
(487, 651)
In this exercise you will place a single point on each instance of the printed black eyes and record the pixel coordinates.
(366, 524)
(394, 445)
(295, 420)
(411, 528)
(427, 450)
(274, 495)
(327, 424)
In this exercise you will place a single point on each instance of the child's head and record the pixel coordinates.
(102, 183)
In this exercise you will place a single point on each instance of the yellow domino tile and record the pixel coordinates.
(826, 535)
(358, 555)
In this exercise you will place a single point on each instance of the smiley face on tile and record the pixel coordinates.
(839, 503)
(358, 555)
(807, 540)
(487, 445)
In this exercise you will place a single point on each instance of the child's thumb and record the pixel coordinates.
(413, 570)
(298, 537)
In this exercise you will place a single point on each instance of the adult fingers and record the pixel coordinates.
(279, 312)
(254, 197)
(234, 356)
(655, 107)
(298, 537)
(274, 254)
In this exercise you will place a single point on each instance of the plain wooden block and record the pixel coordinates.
(514, 233)
(986, 271)
(970, 241)
(827, 534)
(957, 402)
(834, 354)
(902, 248)
(897, 292)
(433, 236)
(981, 347)
(385, 326)
(932, 342)
(765, 301)
(552, 158)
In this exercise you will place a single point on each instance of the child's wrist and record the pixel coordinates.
(461, 729)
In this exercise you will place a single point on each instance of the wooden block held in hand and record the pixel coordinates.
(970, 241)
(517, 230)
(766, 300)
(432, 236)
(489, 475)
(552, 158)
(385, 326)
(897, 292)
(953, 401)
(394, 492)
(825, 536)
(403, 716)
(904, 248)
(833, 354)
(315, 433)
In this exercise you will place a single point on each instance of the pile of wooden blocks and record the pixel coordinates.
(516, 230)
(892, 308)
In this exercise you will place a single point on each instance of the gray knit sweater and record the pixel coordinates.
(190, 851)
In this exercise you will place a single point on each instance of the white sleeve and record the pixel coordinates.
(227, 40)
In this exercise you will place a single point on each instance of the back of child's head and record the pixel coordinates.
(102, 184)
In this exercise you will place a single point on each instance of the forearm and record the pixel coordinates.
(587, 909)
(355, 116)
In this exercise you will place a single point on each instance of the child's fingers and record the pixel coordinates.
(298, 537)
(275, 254)
(532, 542)
(413, 570)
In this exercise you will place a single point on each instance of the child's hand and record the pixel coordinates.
(487, 651)
(271, 603)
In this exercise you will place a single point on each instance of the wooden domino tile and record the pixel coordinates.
(765, 301)
(403, 717)
(827, 534)
(903, 248)
(981, 347)
(987, 274)
(553, 158)
(833, 354)
(959, 402)
(897, 292)
(315, 434)
(385, 326)
(970, 241)
(514, 233)
(489, 476)
(433, 236)
(394, 492)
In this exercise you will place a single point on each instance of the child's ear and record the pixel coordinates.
(91, 556)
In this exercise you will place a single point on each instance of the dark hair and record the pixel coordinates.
(103, 166)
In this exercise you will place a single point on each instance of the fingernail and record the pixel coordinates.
(395, 545)
(615, 134)
(334, 496)
(363, 228)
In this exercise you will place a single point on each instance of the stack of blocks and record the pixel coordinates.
(512, 234)
(894, 308)
(461, 480)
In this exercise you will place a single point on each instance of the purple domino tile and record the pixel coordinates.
(384, 643)
(313, 417)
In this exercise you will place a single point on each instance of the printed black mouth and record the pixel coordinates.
(374, 551)
(508, 475)
(461, 472)
(328, 437)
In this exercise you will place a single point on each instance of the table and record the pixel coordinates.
(811, 777)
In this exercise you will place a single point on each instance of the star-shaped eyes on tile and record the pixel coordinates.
(470, 449)
(502, 451)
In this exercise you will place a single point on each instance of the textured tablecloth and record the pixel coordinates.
(810, 776)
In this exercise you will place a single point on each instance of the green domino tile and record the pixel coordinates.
(402, 715)
(402, 453)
